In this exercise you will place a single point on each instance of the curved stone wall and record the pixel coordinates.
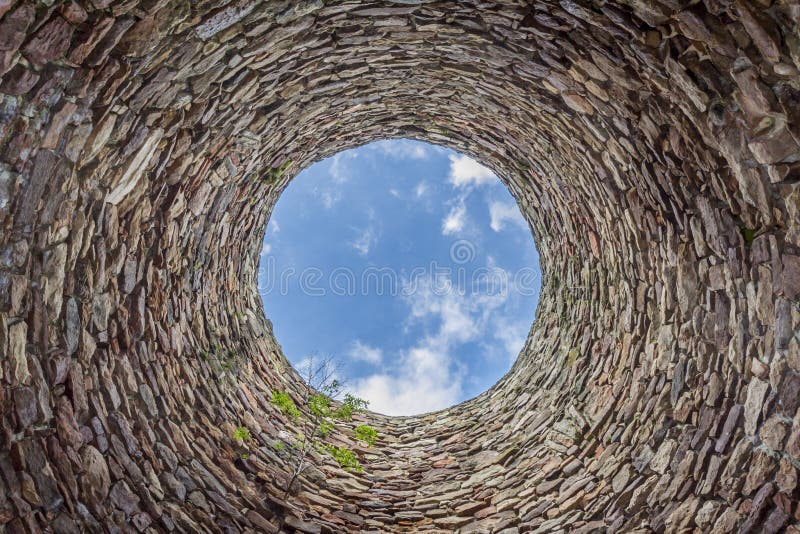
(652, 146)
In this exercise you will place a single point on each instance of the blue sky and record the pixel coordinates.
(410, 265)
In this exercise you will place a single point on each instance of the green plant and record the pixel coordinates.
(572, 357)
(318, 420)
(320, 405)
(241, 433)
(367, 434)
(325, 428)
(225, 364)
(228, 362)
(345, 458)
(275, 173)
(279, 446)
(284, 403)
(350, 405)
(748, 234)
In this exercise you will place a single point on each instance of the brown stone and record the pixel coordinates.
(25, 406)
(87, 42)
(142, 37)
(773, 432)
(50, 42)
(786, 478)
(14, 25)
(18, 81)
(775, 145)
(73, 12)
(790, 275)
(790, 393)
(761, 31)
(303, 526)
(123, 498)
(17, 354)
(95, 481)
(5, 5)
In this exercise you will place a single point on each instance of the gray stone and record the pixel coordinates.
(123, 498)
(756, 392)
(95, 479)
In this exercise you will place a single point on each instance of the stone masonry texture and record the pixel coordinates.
(652, 145)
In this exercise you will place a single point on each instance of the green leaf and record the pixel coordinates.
(241, 433)
(350, 405)
(284, 403)
(748, 234)
(325, 428)
(332, 389)
(320, 405)
(367, 434)
(346, 458)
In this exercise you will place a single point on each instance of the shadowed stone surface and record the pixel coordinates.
(652, 146)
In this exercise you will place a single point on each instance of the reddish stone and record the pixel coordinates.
(25, 405)
(18, 81)
(763, 32)
(790, 393)
(5, 5)
(774, 146)
(774, 522)
(485, 512)
(6, 61)
(58, 123)
(50, 42)
(14, 26)
(141, 38)
(791, 276)
(73, 12)
(86, 42)
(593, 243)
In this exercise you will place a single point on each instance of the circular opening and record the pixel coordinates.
(410, 265)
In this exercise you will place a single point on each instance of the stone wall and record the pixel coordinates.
(652, 146)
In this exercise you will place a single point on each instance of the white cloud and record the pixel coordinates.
(512, 334)
(339, 169)
(465, 171)
(339, 172)
(273, 227)
(421, 189)
(320, 370)
(427, 376)
(394, 192)
(455, 220)
(364, 353)
(465, 174)
(329, 197)
(402, 148)
(501, 213)
(266, 249)
(421, 389)
(364, 241)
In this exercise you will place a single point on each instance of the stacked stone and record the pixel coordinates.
(652, 146)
